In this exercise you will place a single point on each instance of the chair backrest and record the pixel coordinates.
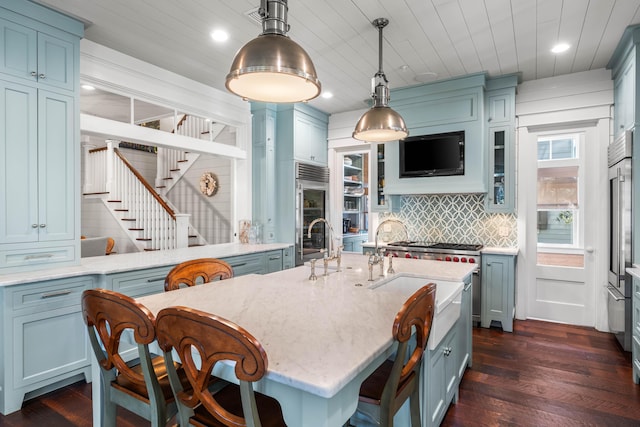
(202, 270)
(215, 339)
(417, 312)
(107, 314)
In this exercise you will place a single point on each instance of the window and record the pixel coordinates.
(559, 200)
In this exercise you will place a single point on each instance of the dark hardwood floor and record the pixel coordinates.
(544, 374)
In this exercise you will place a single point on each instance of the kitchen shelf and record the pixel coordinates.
(355, 206)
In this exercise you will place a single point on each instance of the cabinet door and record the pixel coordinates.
(497, 291)
(624, 98)
(56, 166)
(36, 56)
(48, 336)
(501, 171)
(19, 148)
(19, 50)
(310, 140)
(49, 344)
(56, 62)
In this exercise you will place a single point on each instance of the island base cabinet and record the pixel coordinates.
(45, 342)
(440, 379)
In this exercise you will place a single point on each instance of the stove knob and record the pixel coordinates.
(472, 261)
(407, 255)
(416, 257)
(395, 254)
(456, 259)
(447, 258)
(463, 259)
(438, 259)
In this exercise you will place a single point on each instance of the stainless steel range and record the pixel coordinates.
(447, 252)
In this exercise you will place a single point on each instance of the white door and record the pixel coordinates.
(562, 203)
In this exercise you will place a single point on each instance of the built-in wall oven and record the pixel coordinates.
(447, 252)
(312, 202)
(620, 231)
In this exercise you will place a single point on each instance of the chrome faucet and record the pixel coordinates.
(378, 257)
(329, 254)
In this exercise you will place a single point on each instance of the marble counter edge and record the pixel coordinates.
(490, 250)
(117, 263)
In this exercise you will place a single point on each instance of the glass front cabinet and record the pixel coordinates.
(355, 212)
(501, 173)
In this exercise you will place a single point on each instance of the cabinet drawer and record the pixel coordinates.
(140, 282)
(36, 256)
(50, 295)
(274, 261)
(247, 264)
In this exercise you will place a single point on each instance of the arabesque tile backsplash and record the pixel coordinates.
(455, 218)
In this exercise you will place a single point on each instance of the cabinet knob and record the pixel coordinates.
(41, 76)
(43, 225)
(34, 225)
(33, 74)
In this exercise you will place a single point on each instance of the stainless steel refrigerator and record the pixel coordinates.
(620, 243)
(312, 201)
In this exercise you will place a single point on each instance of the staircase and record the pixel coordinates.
(173, 164)
(148, 218)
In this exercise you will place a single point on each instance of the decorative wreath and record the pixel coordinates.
(209, 184)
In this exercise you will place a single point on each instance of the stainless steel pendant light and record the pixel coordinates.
(272, 67)
(380, 123)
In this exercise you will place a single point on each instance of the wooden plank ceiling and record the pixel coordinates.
(447, 37)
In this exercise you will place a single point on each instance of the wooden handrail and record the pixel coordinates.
(95, 150)
(146, 184)
(184, 117)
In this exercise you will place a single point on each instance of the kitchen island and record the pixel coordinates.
(44, 340)
(324, 337)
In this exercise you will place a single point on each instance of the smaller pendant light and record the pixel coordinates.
(272, 67)
(380, 123)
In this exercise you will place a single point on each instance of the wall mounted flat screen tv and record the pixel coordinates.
(432, 155)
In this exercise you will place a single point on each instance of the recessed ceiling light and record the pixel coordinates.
(88, 87)
(428, 76)
(219, 35)
(326, 95)
(560, 47)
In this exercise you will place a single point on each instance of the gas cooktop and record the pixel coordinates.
(444, 246)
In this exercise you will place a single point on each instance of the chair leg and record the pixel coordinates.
(414, 407)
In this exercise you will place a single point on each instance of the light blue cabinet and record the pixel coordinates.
(264, 169)
(302, 134)
(498, 290)
(353, 243)
(39, 205)
(37, 57)
(635, 336)
(445, 365)
(501, 175)
(44, 340)
(624, 96)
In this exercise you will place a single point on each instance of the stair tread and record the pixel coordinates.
(121, 210)
(114, 201)
(93, 194)
(182, 161)
(136, 229)
(174, 170)
(128, 219)
(144, 239)
(167, 178)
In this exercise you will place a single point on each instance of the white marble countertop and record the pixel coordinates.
(318, 335)
(499, 251)
(135, 261)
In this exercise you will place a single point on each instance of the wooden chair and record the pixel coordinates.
(395, 381)
(214, 339)
(202, 270)
(142, 386)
